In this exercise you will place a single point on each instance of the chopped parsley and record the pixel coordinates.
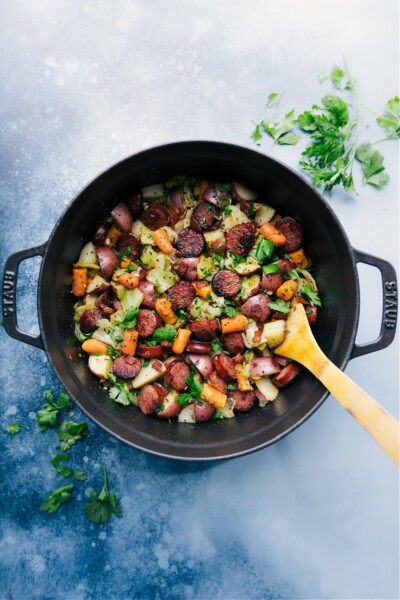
(102, 506)
(47, 415)
(279, 305)
(119, 392)
(310, 294)
(195, 389)
(13, 428)
(264, 249)
(56, 460)
(129, 321)
(69, 433)
(54, 500)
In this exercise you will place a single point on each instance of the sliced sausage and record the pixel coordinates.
(224, 366)
(234, 342)
(244, 401)
(155, 216)
(186, 268)
(241, 238)
(135, 203)
(147, 322)
(88, 320)
(150, 397)
(108, 261)
(173, 216)
(217, 382)
(130, 246)
(122, 216)
(202, 412)
(169, 409)
(198, 347)
(204, 329)
(203, 363)
(105, 302)
(100, 234)
(293, 232)
(263, 366)
(257, 308)
(190, 243)
(285, 264)
(181, 294)
(286, 375)
(149, 351)
(271, 282)
(149, 294)
(311, 313)
(126, 367)
(226, 283)
(205, 217)
(176, 375)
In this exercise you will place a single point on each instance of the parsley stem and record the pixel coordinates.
(105, 480)
(385, 139)
(353, 146)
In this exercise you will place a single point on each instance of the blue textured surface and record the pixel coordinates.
(82, 86)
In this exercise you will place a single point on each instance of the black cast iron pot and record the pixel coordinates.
(326, 243)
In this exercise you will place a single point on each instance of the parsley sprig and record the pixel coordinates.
(195, 389)
(57, 497)
(47, 415)
(129, 321)
(162, 334)
(69, 433)
(102, 505)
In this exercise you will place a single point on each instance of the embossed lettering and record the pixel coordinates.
(390, 316)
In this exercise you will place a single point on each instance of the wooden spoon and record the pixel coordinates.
(300, 345)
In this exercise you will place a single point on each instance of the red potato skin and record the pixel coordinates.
(170, 411)
(285, 265)
(256, 308)
(224, 366)
(272, 282)
(100, 234)
(108, 261)
(88, 320)
(198, 347)
(176, 201)
(149, 294)
(215, 195)
(203, 363)
(135, 203)
(311, 314)
(122, 216)
(263, 366)
(186, 268)
(202, 412)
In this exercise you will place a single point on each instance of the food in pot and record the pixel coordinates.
(182, 296)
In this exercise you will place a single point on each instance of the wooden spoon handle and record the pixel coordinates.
(384, 428)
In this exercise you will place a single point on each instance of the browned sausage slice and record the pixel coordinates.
(149, 294)
(126, 367)
(234, 342)
(149, 398)
(129, 245)
(176, 375)
(286, 375)
(224, 366)
(147, 322)
(135, 203)
(205, 217)
(293, 233)
(149, 351)
(217, 381)
(243, 401)
(198, 347)
(155, 216)
(226, 283)
(204, 329)
(241, 238)
(181, 294)
(88, 320)
(186, 268)
(311, 312)
(190, 243)
(256, 308)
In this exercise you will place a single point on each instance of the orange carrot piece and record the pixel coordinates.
(232, 324)
(161, 239)
(129, 280)
(164, 309)
(202, 188)
(243, 383)
(299, 258)
(129, 342)
(213, 396)
(202, 289)
(287, 290)
(272, 234)
(79, 281)
(94, 346)
(125, 262)
(182, 338)
(113, 235)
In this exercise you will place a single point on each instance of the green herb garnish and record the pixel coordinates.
(270, 269)
(47, 415)
(69, 433)
(56, 459)
(129, 321)
(390, 120)
(102, 506)
(56, 498)
(310, 294)
(13, 428)
(264, 249)
(195, 389)
(279, 305)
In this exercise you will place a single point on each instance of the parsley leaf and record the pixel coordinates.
(56, 459)
(264, 249)
(277, 129)
(80, 476)
(103, 505)
(256, 134)
(13, 428)
(372, 165)
(310, 294)
(47, 415)
(337, 75)
(129, 321)
(322, 76)
(229, 309)
(119, 392)
(391, 119)
(54, 500)
(279, 305)
(195, 389)
(69, 433)
(273, 100)
(164, 334)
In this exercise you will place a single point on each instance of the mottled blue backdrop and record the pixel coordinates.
(82, 85)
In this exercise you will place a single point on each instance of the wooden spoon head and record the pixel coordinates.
(299, 340)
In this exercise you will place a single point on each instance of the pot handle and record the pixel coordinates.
(9, 296)
(389, 309)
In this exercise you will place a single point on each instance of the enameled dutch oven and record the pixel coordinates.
(326, 243)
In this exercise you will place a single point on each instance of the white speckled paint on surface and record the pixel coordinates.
(84, 85)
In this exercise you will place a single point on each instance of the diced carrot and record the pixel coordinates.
(243, 383)
(181, 340)
(164, 308)
(113, 235)
(161, 239)
(299, 258)
(129, 342)
(237, 323)
(202, 188)
(125, 263)
(202, 289)
(213, 396)
(287, 290)
(272, 234)
(79, 281)
(94, 346)
(129, 280)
